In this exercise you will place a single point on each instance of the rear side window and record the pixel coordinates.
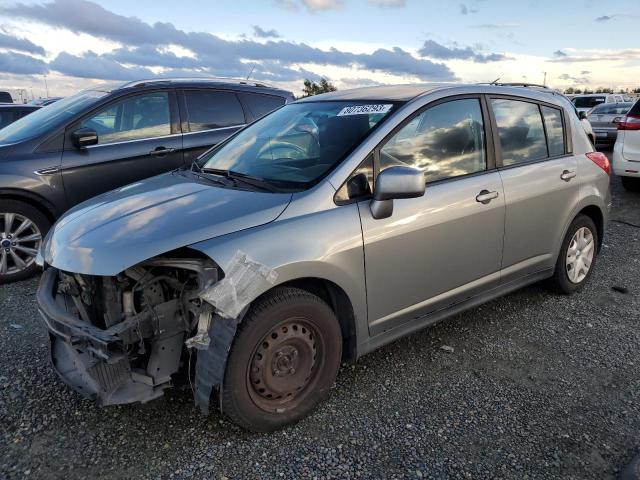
(260, 105)
(210, 109)
(520, 130)
(635, 110)
(555, 130)
(444, 141)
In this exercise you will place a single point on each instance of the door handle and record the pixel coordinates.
(567, 175)
(485, 196)
(161, 151)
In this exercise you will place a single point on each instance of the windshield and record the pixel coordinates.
(298, 144)
(41, 120)
(587, 102)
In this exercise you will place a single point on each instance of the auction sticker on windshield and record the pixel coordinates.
(364, 109)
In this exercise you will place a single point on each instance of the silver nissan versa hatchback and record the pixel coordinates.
(317, 234)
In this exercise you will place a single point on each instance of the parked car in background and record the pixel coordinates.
(10, 112)
(626, 151)
(106, 137)
(587, 101)
(321, 232)
(604, 119)
(5, 97)
(42, 102)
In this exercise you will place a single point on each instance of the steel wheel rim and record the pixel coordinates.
(580, 255)
(284, 366)
(20, 240)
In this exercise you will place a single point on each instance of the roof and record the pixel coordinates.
(393, 93)
(230, 83)
(19, 105)
(407, 93)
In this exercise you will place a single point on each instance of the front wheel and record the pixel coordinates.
(283, 361)
(577, 256)
(22, 228)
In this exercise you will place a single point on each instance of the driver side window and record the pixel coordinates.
(133, 118)
(444, 141)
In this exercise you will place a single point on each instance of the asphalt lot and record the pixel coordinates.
(537, 386)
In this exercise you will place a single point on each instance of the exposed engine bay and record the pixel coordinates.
(123, 339)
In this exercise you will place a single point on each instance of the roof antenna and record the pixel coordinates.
(251, 72)
(495, 82)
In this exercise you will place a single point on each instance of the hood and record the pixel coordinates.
(116, 230)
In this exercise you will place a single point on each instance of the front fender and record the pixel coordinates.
(325, 245)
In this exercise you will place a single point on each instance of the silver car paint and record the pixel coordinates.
(329, 241)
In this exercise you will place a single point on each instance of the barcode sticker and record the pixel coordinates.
(364, 109)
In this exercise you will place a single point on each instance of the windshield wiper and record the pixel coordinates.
(252, 180)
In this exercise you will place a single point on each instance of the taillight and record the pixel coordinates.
(629, 122)
(601, 160)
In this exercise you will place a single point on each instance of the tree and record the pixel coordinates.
(313, 88)
(569, 91)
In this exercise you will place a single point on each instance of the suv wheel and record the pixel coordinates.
(283, 362)
(631, 183)
(577, 256)
(22, 228)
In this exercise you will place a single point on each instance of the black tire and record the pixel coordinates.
(560, 281)
(41, 222)
(631, 184)
(283, 321)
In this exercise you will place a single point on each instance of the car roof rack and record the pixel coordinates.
(515, 84)
(237, 81)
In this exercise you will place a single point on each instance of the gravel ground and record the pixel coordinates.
(536, 386)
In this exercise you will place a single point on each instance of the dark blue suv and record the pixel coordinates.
(107, 137)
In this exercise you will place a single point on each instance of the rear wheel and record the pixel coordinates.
(631, 183)
(22, 228)
(577, 256)
(283, 362)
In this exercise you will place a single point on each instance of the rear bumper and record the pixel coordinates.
(623, 167)
(92, 361)
(605, 135)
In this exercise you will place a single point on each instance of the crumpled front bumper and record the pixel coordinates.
(91, 360)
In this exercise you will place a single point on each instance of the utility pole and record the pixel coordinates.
(544, 82)
(46, 86)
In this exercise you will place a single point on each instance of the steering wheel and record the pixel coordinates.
(274, 147)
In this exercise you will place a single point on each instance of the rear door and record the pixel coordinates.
(258, 105)
(138, 137)
(539, 176)
(208, 117)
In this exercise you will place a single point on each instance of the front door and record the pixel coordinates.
(138, 137)
(444, 247)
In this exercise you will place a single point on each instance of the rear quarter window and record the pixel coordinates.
(635, 110)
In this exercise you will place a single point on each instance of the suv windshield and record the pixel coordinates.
(41, 120)
(298, 144)
(588, 102)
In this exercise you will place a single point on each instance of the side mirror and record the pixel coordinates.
(582, 115)
(84, 137)
(395, 183)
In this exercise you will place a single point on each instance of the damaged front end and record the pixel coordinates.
(126, 338)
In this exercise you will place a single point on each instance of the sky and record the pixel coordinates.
(66, 45)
